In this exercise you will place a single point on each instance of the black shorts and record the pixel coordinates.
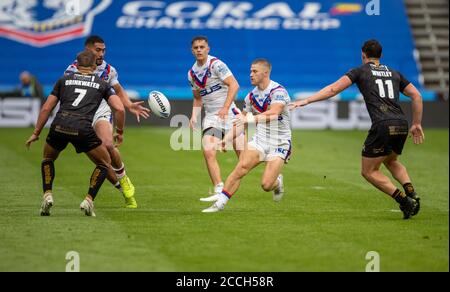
(84, 139)
(215, 132)
(385, 137)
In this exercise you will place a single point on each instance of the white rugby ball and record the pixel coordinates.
(159, 104)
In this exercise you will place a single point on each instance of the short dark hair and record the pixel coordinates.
(91, 40)
(263, 62)
(372, 49)
(86, 59)
(199, 38)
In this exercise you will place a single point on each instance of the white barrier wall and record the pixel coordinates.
(338, 115)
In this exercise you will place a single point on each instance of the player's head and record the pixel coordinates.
(260, 71)
(200, 48)
(25, 78)
(96, 44)
(370, 50)
(86, 60)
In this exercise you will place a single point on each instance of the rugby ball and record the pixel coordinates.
(159, 104)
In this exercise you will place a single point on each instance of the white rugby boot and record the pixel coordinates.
(47, 203)
(279, 191)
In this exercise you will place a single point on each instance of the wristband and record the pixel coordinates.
(119, 131)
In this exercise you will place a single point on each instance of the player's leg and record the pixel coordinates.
(103, 129)
(272, 179)
(377, 148)
(55, 143)
(239, 144)
(212, 136)
(370, 170)
(48, 175)
(399, 172)
(398, 134)
(102, 161)
(248, 160)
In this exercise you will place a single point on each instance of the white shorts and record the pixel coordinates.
(268, 152)
(103, 113)
(213, 120)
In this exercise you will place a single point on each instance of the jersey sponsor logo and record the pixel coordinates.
(45, 22)
(223, 70)
(240, 15)
(328, 115)
(281, 150)
(212, 89)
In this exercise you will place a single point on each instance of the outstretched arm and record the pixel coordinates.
(135, 108)
(416, 130)
(44, 114)
(329, 91)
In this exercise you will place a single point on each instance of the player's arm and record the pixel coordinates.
(135, 108)
(196, 108)
(416, 130)
(238, 129)
(233, 88)
(119, 117)
(44, 114)
(327, 92)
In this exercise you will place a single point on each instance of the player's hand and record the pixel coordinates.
(30, 140)
(138, 110)
(221, 146)
(298, 103)
(118, 140)
(239, 120)
(193, 122)
(223, 114)
(417, 134)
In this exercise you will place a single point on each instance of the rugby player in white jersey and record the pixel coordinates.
(215, 88)
(103, 118)
(267, 107)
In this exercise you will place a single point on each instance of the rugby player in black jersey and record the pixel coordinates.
(79, 95)
(381, 86)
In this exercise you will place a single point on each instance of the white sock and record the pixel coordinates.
(120, 172)
(218, 188)
(223, 199)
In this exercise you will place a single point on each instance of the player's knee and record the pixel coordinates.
(390, 163)
(367, 174)
(109, 145)
(209, 154)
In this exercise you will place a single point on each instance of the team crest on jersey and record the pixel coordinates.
(44, 22)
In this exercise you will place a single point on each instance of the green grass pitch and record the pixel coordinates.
(328, 219)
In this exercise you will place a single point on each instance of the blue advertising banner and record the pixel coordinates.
(310, 43)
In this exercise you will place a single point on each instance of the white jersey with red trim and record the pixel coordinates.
(105, 71)
(108, 74)
(279, 130)
(208, 81)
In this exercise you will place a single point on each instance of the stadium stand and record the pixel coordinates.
(429, 20)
